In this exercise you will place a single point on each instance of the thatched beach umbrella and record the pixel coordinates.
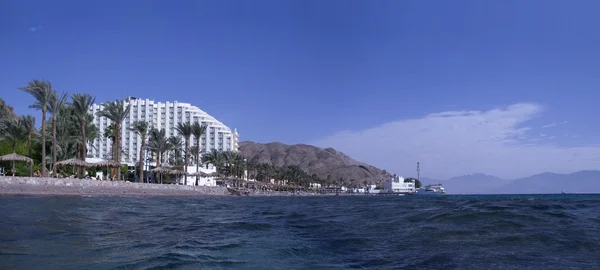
(163, 170)
(199, 173)
(178, 172)
(16, 157)
(215, 174)
(73, 162)
(106, 163)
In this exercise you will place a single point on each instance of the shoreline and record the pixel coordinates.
(45, 186)
(84, 187)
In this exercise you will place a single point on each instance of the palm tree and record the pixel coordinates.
(232, 160)
(158, 143)
(41, 91)
(215, 158)
(28, 123)
(116, 112)
(56, 105)
(175, 144)
(81, 105)
(12, 131)
(198, 130)
(185, 130)
(141, 129)
(109, 134)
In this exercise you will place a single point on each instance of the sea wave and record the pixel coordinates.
(445, 232)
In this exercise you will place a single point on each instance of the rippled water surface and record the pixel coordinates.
(448, 232)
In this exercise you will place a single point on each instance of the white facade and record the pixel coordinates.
(202, 181)
(161, 115)
(315, 185)
(397, 184)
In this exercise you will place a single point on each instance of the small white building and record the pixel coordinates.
(397, 184)
(202, 181)
(315, 185)
(359, 190)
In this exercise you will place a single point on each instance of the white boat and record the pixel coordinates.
(434, 190)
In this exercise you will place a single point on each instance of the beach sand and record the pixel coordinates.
(68, 186)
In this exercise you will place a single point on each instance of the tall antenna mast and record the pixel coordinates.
(418, 172)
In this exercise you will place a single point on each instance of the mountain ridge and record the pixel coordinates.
(326, 163)
(338, 166)
(584, 181)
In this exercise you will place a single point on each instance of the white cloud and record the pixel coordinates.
(32, 29)
(462, 142)
(555, 124)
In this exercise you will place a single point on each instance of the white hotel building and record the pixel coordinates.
(161, 115)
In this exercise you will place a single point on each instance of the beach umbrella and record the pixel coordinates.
(106, 163)
(16, 157)
(73, 162)
(177, 172)
(165, 170)
(199, 173)
(215, 174)
(161, 170)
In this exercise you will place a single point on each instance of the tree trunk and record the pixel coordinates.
(53, 144)
(142, 160)
(14, 148)
(158, 157)
(197, 158)
(44, 173)
(187, 158)
(30, 154)
(118, 148)
(83, 143)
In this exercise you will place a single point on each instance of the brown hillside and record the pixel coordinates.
(313, 160)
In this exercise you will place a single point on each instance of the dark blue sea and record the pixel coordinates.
(343, 232)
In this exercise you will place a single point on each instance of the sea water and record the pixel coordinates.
(336, 232)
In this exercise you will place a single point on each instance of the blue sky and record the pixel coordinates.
(308, 71)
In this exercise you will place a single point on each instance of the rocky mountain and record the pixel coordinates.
(325, 163)
(578, 182)
(543, 183)
(473, 184)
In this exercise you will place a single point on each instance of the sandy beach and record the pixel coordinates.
(72, 187)
(68, 186)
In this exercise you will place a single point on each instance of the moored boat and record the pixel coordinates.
(436, 189)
